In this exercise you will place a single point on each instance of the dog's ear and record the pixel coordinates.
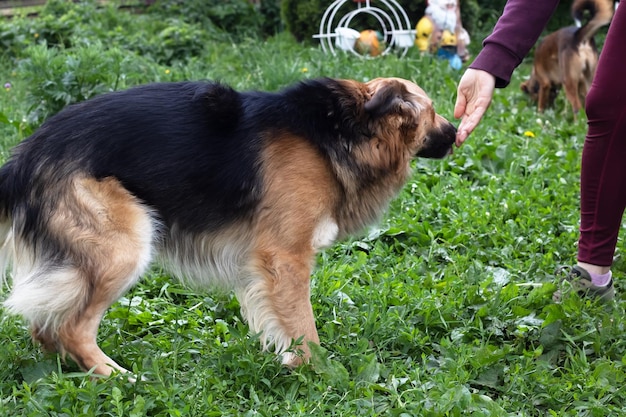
(391, 100)
(223, 104)
(387, 98)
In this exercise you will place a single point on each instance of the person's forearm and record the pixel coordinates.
(514, 35)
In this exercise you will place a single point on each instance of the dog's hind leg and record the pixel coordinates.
(572, 94)
(573, 72)
(103, 242)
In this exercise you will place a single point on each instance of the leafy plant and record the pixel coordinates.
(302, 19)
(236, 17)
(57, 77)
(176, 41)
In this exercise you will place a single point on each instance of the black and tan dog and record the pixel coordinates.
(568, 57)
(238, 190)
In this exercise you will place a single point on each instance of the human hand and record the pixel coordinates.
(474, 95)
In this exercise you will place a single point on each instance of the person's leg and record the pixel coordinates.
(603, 175)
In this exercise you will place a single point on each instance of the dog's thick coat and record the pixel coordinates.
(568, 57)
(224, 188)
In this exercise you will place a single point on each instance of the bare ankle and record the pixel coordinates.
(594, 269)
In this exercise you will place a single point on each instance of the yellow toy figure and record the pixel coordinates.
(441, 32)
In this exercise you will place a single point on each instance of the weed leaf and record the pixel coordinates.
(332, 370)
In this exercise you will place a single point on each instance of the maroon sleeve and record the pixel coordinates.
(515, 33)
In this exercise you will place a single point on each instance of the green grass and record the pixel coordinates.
(442, 309)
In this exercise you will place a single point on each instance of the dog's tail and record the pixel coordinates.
(595, 13)
(5, 221)
(6, 230)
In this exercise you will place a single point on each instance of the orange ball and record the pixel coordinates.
(369, 43)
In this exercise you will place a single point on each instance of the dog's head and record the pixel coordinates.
(402, 115)
(531, 87)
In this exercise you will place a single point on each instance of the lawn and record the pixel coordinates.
(444, 308)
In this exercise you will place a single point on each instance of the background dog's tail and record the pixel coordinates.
(591, 15)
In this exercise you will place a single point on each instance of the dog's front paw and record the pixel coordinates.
(292, 359)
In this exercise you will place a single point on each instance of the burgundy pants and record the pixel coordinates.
(603, 175)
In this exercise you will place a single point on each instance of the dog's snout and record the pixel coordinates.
(439, 141)
(449, 129)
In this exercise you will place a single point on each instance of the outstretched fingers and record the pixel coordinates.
(474, 95)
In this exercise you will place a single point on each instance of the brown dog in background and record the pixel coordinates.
(568, 57)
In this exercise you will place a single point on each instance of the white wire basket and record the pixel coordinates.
(337, 31)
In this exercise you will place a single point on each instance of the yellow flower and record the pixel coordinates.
(305, 69)
(529, 134)
(36, 35)
(167, 71)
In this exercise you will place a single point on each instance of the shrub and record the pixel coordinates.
(58, 20)
(60, 24)
(235, 17)
(58, 77)
(13, 39)
(173, 41)
(302, 18)
(271, 22)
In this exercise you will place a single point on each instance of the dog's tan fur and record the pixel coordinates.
(568, 58)
(108, 235)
